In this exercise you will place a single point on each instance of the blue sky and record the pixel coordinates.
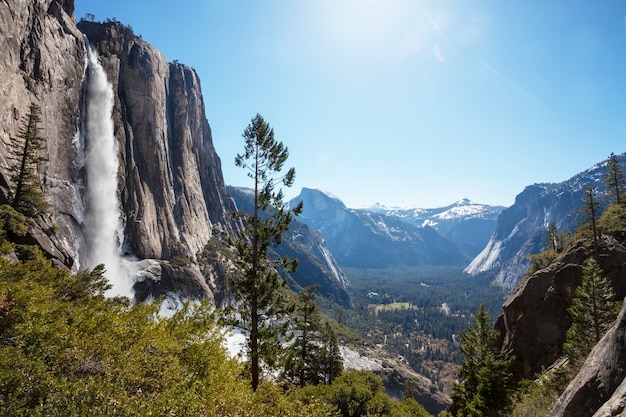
(403, 102)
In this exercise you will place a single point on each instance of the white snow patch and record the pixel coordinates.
(354, 360)
(235, 343)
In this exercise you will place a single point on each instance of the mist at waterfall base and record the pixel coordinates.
(102, 228)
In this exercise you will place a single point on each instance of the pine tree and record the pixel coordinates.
(259, 294)
(593, 312)
(303, 365)
(331, 360)
(27, 197)
(614, 179)
(487, 383)
(408, 391)
(591, 211)
(555, 239)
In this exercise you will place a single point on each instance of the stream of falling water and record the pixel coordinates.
(102, 221)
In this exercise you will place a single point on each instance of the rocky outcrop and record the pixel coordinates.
(171, 180)
(535, 318)
(599, 389)
(395, 373)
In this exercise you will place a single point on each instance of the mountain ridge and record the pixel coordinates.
(365, 239)
(522, 228)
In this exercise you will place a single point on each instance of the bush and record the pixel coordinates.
(66, 350)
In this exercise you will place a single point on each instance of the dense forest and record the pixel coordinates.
(418, 313)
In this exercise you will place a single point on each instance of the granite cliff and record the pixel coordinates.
(170, 184)
(535, 320)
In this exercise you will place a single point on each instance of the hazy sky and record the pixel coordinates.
(403, 102)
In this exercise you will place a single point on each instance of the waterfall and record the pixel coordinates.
(102, 227)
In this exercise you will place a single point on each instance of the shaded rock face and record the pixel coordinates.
(599, 389)
(535, 318)
(42, 61)
(171, 183)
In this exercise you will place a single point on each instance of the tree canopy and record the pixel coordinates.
(26, 196)
(261, 305)
(487, 386)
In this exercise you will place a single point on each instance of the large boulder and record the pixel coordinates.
(599, 389)
(535, 318)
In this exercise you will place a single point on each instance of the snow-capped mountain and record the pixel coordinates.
(521, 229)
(468, 224)
(366, 239)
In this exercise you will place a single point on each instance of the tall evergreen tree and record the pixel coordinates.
(591, 211)
(305, 352)
(331, 360)
(26, 196)
(555, 239)
(593, 312)
(487, 384)
(614, 179)
(261, 303)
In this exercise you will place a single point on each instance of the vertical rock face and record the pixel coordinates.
(599, 389)
(42, 61)
(171, 181)
(535, 318)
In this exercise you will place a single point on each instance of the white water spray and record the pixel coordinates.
(102, 221)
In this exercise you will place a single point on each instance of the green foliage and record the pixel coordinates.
(537, 398)
(313, 356)
(257, 289)
(357, 393)
(12, 224)
(361, 393)
(613, 220)
(487, 384)
(66, 350)
(591, 212)
(593, 312)
(408, 391)
(409, 408)
(27, 197)
(614, 179)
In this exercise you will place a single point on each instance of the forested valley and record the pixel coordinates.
(418, 313)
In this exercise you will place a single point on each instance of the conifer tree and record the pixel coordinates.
(408, 391)
(331, 360)
(26, 196)
(614, 179)
(593, 312)
(260, 301)
(555, 239)
(591, 211)
(487, 383)
(303, 364)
